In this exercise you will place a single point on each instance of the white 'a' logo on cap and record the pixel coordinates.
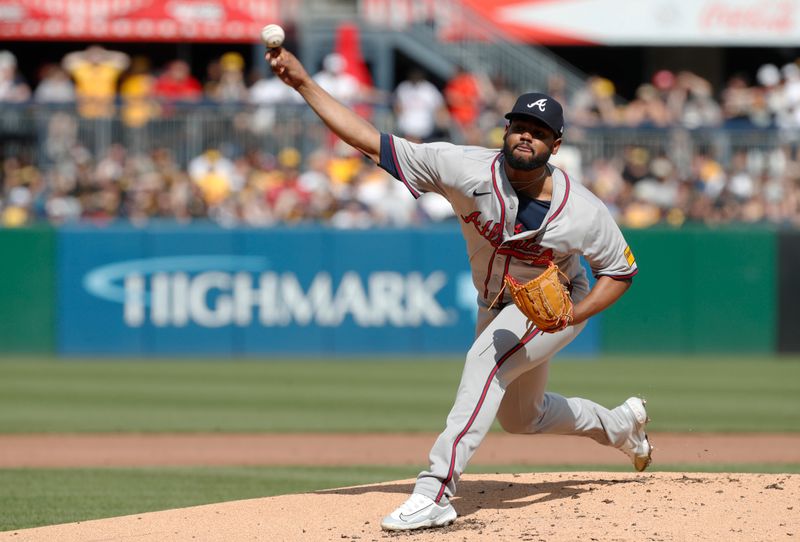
(541, 103)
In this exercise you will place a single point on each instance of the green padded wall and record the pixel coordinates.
(27, 290)
(698, 290)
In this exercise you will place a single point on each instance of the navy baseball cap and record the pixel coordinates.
(541, 107)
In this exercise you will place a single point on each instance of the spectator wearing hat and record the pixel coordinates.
(287, 198)
(594, 104)
(230, 86)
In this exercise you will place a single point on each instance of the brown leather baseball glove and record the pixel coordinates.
(544, 300)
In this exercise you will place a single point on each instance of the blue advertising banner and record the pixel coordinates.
(169, 290)
(92, 266)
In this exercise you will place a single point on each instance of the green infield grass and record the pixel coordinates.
(32, 498)
(712, 393)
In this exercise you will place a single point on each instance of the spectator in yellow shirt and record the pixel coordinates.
(137, 92)
(96, 71)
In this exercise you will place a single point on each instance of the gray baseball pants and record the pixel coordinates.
(504, 375)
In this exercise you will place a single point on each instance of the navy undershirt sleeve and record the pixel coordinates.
(532, 212)
(387, 158)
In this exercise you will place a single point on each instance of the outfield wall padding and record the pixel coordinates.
(27, 290)
(171, 290)
(698, 290)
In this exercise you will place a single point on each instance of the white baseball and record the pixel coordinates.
(272, 35)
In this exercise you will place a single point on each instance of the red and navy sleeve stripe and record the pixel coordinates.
(390, 164)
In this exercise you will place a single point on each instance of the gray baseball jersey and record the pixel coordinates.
(506, 368)
(474, 182)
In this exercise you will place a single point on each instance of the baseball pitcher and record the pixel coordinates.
(526, 225)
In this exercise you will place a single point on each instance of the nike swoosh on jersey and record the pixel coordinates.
(475, 193)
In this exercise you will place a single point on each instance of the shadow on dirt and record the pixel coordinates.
(495, 494)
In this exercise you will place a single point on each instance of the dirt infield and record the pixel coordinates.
(583, 506)
(549, 507)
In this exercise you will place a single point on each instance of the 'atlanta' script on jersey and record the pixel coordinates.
(492, 231)
(523, 249)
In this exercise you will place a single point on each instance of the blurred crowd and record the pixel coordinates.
(253, 189)
(643, 185)
(772, 100)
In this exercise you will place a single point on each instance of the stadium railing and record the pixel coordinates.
(46, 135)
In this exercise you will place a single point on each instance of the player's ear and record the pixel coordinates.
(556, 146)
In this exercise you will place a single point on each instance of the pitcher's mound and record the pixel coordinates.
(529, 507)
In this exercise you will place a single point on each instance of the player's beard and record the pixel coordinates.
(525, 164)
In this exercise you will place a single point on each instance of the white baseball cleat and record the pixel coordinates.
(638, 446)
(419, 512)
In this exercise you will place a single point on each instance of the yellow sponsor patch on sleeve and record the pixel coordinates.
(629, 256)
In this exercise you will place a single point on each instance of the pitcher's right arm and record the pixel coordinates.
(345, 123)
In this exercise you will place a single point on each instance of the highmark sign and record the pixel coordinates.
(231, 290)
(207, 291)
